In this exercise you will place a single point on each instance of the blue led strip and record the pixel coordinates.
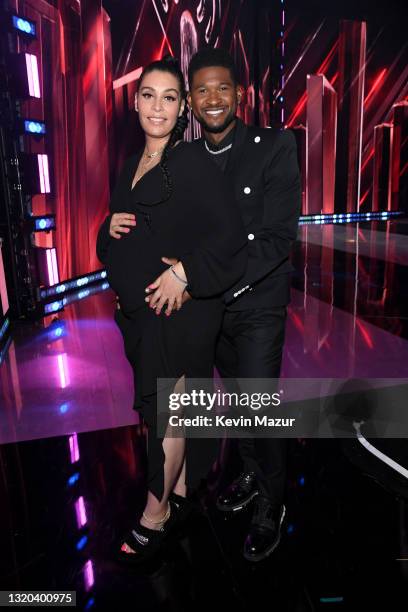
(55, 331)
(54, 306)
(25, 26)
(70, 285)
(73, 479)
(44, 224)
(34, 127)
(348, 217)
(82, 542)
(74, 296)
(4, 328)
(90, 603)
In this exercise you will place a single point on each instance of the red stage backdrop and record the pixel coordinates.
(91, 52)
(87, 100)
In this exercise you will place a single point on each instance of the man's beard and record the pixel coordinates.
(217, 130)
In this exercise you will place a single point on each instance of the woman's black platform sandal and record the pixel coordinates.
(146, 543)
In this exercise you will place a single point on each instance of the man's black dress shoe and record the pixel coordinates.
(265, 530)
(239, 493)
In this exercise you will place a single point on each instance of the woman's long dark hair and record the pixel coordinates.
(169, 64)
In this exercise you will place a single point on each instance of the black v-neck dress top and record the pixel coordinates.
(201, 225)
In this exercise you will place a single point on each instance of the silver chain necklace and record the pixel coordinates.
(217, 152)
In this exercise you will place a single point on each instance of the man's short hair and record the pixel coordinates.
(208, 57)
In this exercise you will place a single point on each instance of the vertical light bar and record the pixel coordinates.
(63, 380)
(3, 286)
(89, 575)
(80, 512)
(32, 75)
(29, 75)
(44, 174)
(54, 266)
(73, 448)
(63, 370)
(41, 173)
(36, 77)
(50, 270)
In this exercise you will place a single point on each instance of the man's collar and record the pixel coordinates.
(225, 142)
(239, 132)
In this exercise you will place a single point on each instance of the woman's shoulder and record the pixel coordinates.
(131, 160)
(185, 148)
(127, 164)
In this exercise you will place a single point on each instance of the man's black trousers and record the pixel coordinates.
(250, 346)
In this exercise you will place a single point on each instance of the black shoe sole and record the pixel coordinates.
(135, 559)
(269, 550)
(229, 508)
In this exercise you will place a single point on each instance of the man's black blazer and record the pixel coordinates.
(264, 174)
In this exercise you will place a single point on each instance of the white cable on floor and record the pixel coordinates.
(377, 453)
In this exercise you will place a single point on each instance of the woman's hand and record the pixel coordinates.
(186, 297)
(168, 289)
(121, 223)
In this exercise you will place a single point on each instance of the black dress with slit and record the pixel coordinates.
(201, 226)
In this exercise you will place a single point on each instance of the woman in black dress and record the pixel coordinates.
(170, 200)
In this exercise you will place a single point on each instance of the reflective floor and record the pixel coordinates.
(72, 456)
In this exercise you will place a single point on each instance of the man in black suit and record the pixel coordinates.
(262, 166)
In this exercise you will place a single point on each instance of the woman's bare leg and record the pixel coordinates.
(180, 488)
(174, 476)
(174, 452)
